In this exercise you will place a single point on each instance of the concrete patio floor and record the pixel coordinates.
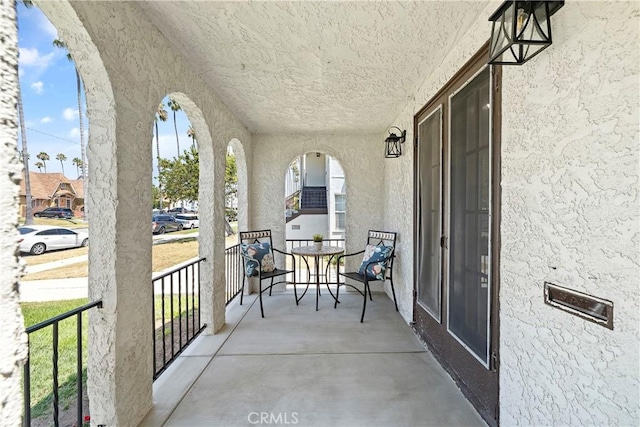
(301, 367)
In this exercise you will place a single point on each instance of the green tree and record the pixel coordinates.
(161, 115)
(191, 133)
(62, 158)
(230, 179)
(44, 157)
(175, 107)
(179, 177)
(296, 170)
(78, 163)
(39, 165)
(155, 196)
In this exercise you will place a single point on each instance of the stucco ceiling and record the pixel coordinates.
(299, 67)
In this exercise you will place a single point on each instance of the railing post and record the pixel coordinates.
(183, 273)
(27, 388)
(79, 369)
(56, 422)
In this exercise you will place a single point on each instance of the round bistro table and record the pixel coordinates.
(311, 251)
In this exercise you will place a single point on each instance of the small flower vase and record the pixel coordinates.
(318, 246)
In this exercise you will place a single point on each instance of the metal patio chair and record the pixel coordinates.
(377, 265)
(256, 249)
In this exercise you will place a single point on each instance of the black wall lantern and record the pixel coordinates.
(521, 30)
(394, 143)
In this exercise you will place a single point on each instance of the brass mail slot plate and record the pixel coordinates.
(594, 309)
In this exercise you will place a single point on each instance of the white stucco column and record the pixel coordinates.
(13, 349)
(212, 234)
(120, 334)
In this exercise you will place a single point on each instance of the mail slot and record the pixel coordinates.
(588, 307)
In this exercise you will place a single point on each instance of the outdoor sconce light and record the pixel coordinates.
(394, 143)
(521, 30)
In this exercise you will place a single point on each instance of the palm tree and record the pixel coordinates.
(175, 107)
(39, 165)
(62, 158)
(191, 133)
(28, 215)
(162, 115)
(44, 157)
(78, 163)
(62, 45)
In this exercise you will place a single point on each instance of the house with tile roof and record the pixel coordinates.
(52, 189)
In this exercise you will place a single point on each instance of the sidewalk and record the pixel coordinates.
(30, 269)
(65, 289)
(157, 240)
(53, 290)
(75, 288)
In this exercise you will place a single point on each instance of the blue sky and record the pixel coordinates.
(49, 97)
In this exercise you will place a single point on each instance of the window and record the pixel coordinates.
(64, 231)
(63, 186)
(340, 211)
(68, 203)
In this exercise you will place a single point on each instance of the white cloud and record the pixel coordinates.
(37, 87)
(70, 114)
(30, 57)
(46, 119)
(74, 133)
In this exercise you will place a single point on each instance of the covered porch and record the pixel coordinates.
(556, 172)
(299, 366)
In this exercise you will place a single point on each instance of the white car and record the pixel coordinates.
(188, 220)
(38, 239)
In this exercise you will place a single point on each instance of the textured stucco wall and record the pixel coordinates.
(13, 348)
(570, 215)
(309, 225)
(363, 171)
(134, 69)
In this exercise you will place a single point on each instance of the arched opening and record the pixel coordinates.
(315, 205)
(235, 215)
(183, 290)
(315, 197)
(91, 191)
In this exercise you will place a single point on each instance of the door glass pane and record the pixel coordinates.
(429, 149)
(468, 304)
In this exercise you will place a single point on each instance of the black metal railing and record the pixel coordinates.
(55, 390)
(233, 272)
(175, 313)
(313, 198)
(305, 271)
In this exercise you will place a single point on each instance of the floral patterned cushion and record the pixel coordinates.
(257, 254)
(378, 256)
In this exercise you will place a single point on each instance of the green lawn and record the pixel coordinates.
(41, 351)
(179, 306)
